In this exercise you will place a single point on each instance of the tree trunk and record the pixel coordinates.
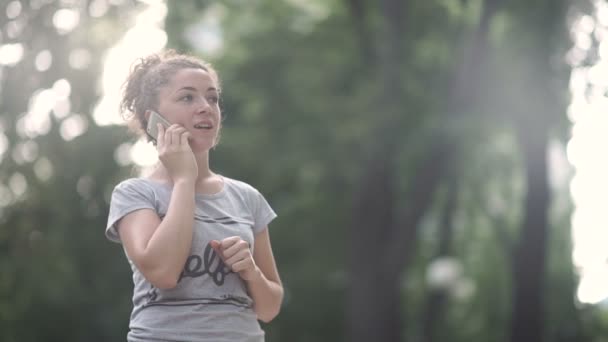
(358, 12)
(529, 259)
(373, 304)
(437, 297)
(373, 312)
(463, 90)
(382, 241)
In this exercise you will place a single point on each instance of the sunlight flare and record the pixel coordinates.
(585, 151)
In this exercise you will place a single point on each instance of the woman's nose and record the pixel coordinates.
(203, 106)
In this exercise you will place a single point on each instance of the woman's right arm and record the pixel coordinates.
(159, 249)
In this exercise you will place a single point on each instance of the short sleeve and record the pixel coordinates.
(262, 212)
(128, 196)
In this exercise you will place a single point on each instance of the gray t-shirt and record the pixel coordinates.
(210, 302)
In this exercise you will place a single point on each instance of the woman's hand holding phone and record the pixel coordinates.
(175, 153)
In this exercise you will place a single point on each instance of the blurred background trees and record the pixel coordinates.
(414, 151)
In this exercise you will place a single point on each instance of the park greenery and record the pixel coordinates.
(403, 144)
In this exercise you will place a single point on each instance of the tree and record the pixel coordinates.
(387, 135)
(58, 272)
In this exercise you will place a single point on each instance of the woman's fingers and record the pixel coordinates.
(234, 251)
(242, 265)
(177, 157)
(174, 135)
(184, 137)
(160, 140)
(170, 135)
(233, 245)
(239, 256)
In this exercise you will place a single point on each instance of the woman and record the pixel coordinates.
(197, 242)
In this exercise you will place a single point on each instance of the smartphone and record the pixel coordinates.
(153, 121)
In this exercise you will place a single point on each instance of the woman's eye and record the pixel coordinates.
(187, 98)
(213, 99)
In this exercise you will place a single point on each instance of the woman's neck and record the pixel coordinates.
(202, 162)
(207, 182)
(204, 172)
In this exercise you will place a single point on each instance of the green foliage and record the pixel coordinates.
(304, 108)
(58, 278)
(59, 271)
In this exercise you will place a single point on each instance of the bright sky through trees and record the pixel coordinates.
(586, 152)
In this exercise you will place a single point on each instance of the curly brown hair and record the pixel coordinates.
(149, 74)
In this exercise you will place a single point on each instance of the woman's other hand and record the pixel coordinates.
(237, 256)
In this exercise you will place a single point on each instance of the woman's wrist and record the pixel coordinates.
(185, 183)
(255, 276)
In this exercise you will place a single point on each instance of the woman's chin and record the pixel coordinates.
(201, 145)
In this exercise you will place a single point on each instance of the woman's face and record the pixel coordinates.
(191, 99)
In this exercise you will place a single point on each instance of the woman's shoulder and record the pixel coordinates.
(138, 183)
(238, 185)
(132, 182)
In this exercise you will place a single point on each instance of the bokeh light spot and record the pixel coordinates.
(6, 196)
(62, 89)
(3, 145)
(27, 150)
(80, 59)
(84, 186)
(65, 20)
(43, 60)
(14, 28)
(62, 108)
(13, 9)
(11, 54)
(43, 169)
(18, 184)
(37, 121)
(122, 154)
(98, 8)
(144, 153)
(72, 127)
